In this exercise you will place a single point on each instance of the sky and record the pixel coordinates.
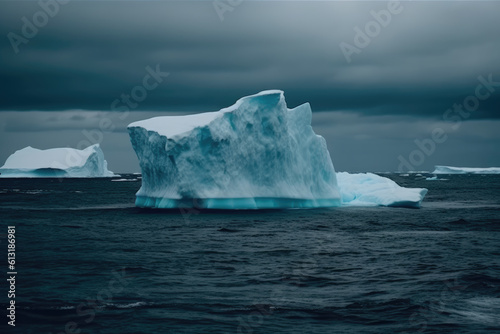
(393, 86)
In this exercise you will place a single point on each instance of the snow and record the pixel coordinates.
(465, 170)
(175, 126)
(367, 189)
(256, 154)
(56, 162)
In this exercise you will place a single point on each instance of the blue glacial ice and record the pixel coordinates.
(56, 162)
(256, 154)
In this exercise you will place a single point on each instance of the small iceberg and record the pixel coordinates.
(465, 170)
(367, 189)
(56, 162)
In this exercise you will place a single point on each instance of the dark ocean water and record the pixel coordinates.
(88, 261)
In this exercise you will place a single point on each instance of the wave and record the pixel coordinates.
(480, 310)
(134, 304)
(37, 191)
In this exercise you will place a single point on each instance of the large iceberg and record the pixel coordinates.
(465, 170)
(56, 162)
(256, 154)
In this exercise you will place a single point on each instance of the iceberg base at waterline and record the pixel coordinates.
(248, 203)
(363, 189)
(56, 162)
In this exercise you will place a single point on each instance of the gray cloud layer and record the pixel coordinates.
(427, 58)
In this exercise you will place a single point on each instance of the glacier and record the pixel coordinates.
(56, 162)
(255, 154)
(465, 170)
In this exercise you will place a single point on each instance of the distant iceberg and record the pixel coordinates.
(256, 154)
(465, 170)
(56, 162)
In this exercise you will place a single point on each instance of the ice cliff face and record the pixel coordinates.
(255, 154)
(56, 162)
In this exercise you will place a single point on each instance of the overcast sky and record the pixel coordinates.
(372, 106)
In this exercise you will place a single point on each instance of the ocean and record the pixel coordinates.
(88, 261)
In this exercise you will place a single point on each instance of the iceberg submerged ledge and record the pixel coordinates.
(256, 154)
(234, 203)
(56, 162)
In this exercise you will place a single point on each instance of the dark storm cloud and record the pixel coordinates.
(426, 59)
(82, 120)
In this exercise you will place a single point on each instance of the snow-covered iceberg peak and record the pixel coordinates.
(255, 154)
(56, 162)
(465, 170)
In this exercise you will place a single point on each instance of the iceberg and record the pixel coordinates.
(56, 162)
(256, 154)
(465, 170)
(368, 189)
